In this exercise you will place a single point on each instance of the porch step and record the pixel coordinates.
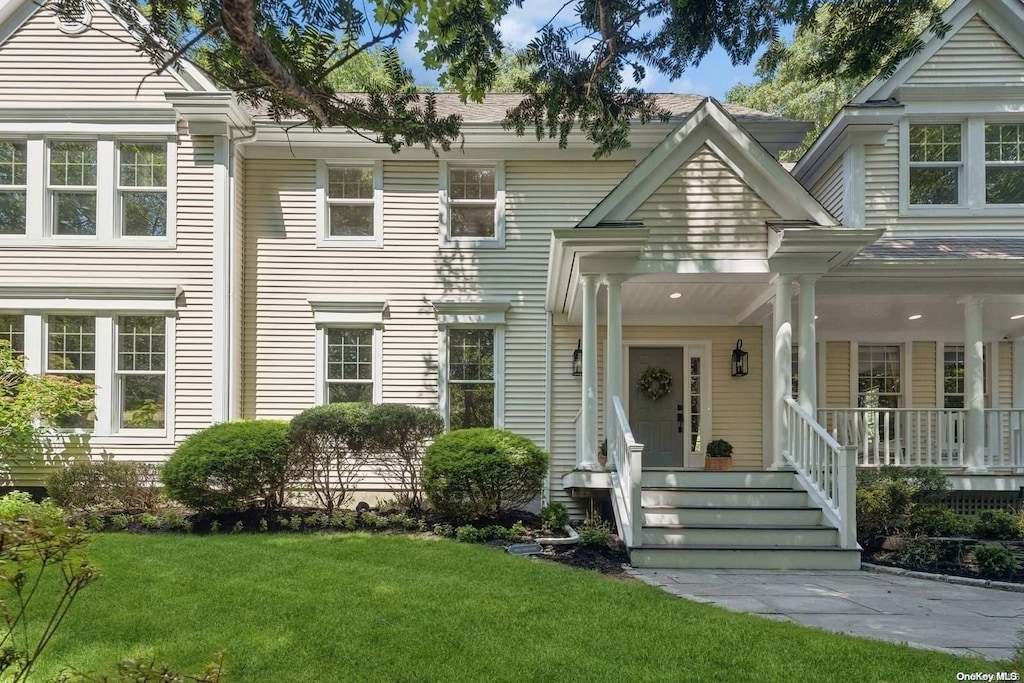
(746, 536)
(720, 496)
(750, 557)
(677, 478)
(659, 515)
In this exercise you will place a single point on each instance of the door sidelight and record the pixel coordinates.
(679, 416)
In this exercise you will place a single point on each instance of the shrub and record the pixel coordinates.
(518, 531)
(887, 498)
(995, 561)
(916, 553)
(997, 525)
(18, 505)
(397, 435)
(470, 473)
(933, 521)
(445, 530)
(228, 466)
(595, 532)
(328, 451)
(467, 534)
(106, 485)
(554, 516)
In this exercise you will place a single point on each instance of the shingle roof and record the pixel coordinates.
(494, 106)
(916, 249)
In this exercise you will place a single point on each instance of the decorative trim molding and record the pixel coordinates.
(90, 298)
(371, 313)
(470, 312)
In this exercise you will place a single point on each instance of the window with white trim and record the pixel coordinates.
(72, 187)
(349, 375)
(879, 383)
(473, 203)
(471, 378)
(13, 187)
(142, 189)
(141, 371)
(953, 372)
(1004, 163)
(71, 352)
(935, 163)
(12, 331)
(351, 204)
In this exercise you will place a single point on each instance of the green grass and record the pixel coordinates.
(356, 607)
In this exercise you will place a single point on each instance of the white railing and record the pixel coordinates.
(579, 437)
(900, 436)
(934, 437)
(625, 457)
(825, 469)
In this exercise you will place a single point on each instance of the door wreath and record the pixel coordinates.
(655, 383)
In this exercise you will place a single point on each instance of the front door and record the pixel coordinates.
(658, 423)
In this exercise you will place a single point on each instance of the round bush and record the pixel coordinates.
(328, 451)
(934, 521)
(471, 473)
(227, 466)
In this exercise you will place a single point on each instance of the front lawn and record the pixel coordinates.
(356, 607)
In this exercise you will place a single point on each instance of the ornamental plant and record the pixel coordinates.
(719, 448)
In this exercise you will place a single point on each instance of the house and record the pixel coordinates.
(201, 264)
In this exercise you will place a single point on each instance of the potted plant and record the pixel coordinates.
(718, 455)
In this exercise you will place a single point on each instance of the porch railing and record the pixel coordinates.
(925, 436)
(827, 470)
(625, 457)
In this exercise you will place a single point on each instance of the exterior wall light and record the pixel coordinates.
(577, 360)
(739, 360)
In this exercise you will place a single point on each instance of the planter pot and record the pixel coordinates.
(717, 464)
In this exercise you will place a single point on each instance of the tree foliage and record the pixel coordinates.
(280, 54)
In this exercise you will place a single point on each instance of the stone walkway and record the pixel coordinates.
(922, 613)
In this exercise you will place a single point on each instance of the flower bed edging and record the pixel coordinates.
(945, 578)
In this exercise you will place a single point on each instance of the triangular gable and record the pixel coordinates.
(39, 61)
(710, 126)
(985, 37)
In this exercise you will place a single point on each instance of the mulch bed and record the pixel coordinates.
(954, 559)
(606, 561)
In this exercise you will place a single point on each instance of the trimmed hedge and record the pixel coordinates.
(396, 436)
(106, 485)
(229, 465)
(329, 446)
(472, 473)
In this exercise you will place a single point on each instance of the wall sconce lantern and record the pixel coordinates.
(577, 360)
(739, 360)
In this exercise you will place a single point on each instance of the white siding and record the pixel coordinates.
(40, 63)
(829, 190)
(704, 210)
(285, 268)
(837, 356)
(923, 375)
(975, 54)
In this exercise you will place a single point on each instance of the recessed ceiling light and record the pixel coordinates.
(675, 295)
(916, 316)
(1017, 317)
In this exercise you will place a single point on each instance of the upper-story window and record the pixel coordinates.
(1004, 163)
(472, 204)
(935, 163)
(351, 200)
(13, 187)
(142, 188)
(72, 186)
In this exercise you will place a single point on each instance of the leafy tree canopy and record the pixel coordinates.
(279, 54)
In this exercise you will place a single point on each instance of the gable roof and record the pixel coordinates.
(15, 13)
(710, 124)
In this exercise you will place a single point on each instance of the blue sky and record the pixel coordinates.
(714, 76)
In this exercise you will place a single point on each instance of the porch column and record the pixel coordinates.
(807, 350)
(974, 386)
(588, 420)
(782, 377)
(613, 349)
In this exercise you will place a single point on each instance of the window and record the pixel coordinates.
(142, 188)
(71, 351)
(13, 187)
(141, 371)
(953, 366)
(471, 378)
(935, 163)
(472, 204)
(350, 363)
(12, 331)
(878, 376)
(1004, 163)
(72, 187)
(351, 201)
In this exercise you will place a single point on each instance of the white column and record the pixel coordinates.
(588, 421)
(220, 360)
(808, 356)
(782, 376)
(613, 349)
(974, 386)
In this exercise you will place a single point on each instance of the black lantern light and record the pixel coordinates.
(577, 360)
(739, 360)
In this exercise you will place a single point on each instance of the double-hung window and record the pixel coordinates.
(12, 331)
(953, 372)
(471, 378)
(13, 187)
(935, 163)
(71, 352)
(72, 187)
(141, 373)
(1004, 163)
(351, 198)
(472, 204)
(878, 376)
(142, 189)
(350, 365)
